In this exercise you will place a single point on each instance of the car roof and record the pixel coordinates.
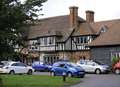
(11, 62)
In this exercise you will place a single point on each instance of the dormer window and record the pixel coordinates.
(103, 29)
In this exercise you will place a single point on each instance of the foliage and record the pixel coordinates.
(115, 60)
(36, 81)
(14, 14)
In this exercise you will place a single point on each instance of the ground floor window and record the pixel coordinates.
(50, 59)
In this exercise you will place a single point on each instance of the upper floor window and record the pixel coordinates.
(51, 40)
(80, 40)
(103, 29)
(43, 41)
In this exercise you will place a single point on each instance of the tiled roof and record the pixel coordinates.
(84, 29)
(110, 37)
(96, 26)
(60, 26)
(51, 26)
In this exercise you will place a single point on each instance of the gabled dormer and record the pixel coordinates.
(103, 29)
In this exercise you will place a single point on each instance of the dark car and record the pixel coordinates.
(67, 68)
(40, 66)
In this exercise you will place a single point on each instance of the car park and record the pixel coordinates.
(116, 68)
(40, 66)
(68, 69)
(12, 67)
(93, 66)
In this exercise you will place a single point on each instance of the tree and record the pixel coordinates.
(14, 14)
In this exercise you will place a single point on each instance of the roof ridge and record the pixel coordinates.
(107, 21)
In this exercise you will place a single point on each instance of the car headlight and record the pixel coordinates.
(104, 68)
(5, 67)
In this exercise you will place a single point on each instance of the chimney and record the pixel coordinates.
(89, 16)
(73, 16)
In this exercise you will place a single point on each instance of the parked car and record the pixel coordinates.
(12, 67)
(93, 66)
(68, 69)
(40, 66)
(1, 64)
(116, 68)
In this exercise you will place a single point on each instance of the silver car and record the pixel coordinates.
(12, 67)
(93, 67)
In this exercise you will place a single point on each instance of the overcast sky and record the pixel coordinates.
(104, 9)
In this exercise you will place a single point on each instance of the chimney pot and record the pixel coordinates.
(73, 16)
(89, 16)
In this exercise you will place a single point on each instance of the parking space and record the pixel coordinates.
(103, 80)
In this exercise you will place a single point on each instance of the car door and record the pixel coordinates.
(22, 68)
(60, 69)
(15, 67)
(84, 66)
(90, 67)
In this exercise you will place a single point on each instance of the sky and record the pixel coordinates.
(104, 9)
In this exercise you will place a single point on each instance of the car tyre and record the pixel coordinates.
(12, 72)
(117, 71)
(98, 71)
(69, 74)
(30, 72)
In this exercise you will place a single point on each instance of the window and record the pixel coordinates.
(85, 39)
(78, 40)
(45, 41)
(61, 65)
(51, 40)
(39, 41)
(103, 29)
(15, 64)
(22, 64)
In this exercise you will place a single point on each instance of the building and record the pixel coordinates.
(107, 45)
(71, 37)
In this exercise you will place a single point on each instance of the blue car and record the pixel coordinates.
(68, 69)
(40, 66)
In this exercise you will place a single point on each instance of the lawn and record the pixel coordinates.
(35, 81)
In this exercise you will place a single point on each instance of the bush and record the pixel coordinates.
(115, 60)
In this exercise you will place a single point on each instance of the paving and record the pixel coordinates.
(103, 80)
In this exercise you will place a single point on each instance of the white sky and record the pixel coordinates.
(104, 9)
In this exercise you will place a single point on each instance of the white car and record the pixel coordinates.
(93, 67)
(12, 67)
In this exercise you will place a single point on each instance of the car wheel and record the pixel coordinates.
(52, 73)
(97, 71)
(12, 72)
(117, 71)
(29, 72)
(69, 74)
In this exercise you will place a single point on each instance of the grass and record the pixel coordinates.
(35, 81)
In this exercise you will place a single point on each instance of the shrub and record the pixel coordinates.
(115, 60)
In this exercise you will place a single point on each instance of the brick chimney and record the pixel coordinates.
(73, 16)
(89, 16)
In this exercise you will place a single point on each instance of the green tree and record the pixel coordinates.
(14, 14)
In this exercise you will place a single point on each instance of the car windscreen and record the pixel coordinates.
(98, 62)
(70, 65)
